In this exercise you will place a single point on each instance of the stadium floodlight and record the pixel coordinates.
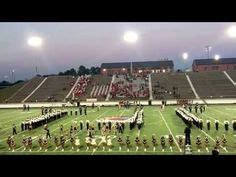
(185, 55)
(35, 41)
(217, 57)
(232, 31)
(130, 37)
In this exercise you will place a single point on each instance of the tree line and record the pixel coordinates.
(82, 70)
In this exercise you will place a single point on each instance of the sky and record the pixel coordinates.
(69, 45)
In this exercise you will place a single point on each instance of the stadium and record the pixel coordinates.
(143, 107)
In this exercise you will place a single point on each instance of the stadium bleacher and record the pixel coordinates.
(96, 88)
(55, 88)
(171, 86)
(25, 90)
(232, 74)
(212, 85)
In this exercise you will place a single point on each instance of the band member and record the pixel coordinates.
(171, 141)
(226, 123)
(62, 142)
(206, 142)
(224, 141)
(120, 141)
(109, 125)
(98, 107)
(24, 142)
(154, 142)
(22, 126)
(71, 130)
(76, 113)
(14, 130)
(103, 143)
(163, 143)
(71, 112)
(99, 125)
(61, 129)
(29, 145)
(94, 144)
(56, 141)
(77, 143)
(45, 144)
(88, 141)
(109, 144)
(234, 124)
(145, 143)
(85, 110)
(180, 141)
(72, 141)
(217, 124)
(13, 144)
(208, 124)
(9, 142)
(190, 108)
(201, 124)
(87, 124)
(80, 110)
(93, 105)
(198, 143)
(217, 142)
(137, 142)
(48, 135)
(127, 143)
(196, 107)
(40, 141)
(201, 109)
(89, 132)
(81, 125)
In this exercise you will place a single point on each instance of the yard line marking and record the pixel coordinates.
(212, 139)
(170, 131)
(215, 119)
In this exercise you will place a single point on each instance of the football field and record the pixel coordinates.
(156, 121)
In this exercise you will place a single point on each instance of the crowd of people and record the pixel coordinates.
(81, 86)
(129, 87)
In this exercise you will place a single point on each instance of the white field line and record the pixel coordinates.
(170, 131)
(72, 88)
(212, 139)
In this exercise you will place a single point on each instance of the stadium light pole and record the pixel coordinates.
(130, 37)
(35, 42)
(208, 49)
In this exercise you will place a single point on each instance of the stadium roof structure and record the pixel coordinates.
(142, 64)
(214, 62)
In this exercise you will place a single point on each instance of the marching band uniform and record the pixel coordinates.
(24, 142)
(56, 141)
(208, 124)
(180, 141)
(224, 141)
(145, 144)
(81, 125)
(29, 143)
(120, 141)
(234, 124)
(62, 142)
(226, 123)
(72, 141)
(137, 142)
(163, 142)
(9, 142)
(127, 143)
(154, 142)
(217, 142)
(171, 140)
(40, 141)
(201, 124)
(217, 124)
(198, 142)
(206, 141)
(45, 144)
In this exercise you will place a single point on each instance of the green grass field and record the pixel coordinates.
(159, 122)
